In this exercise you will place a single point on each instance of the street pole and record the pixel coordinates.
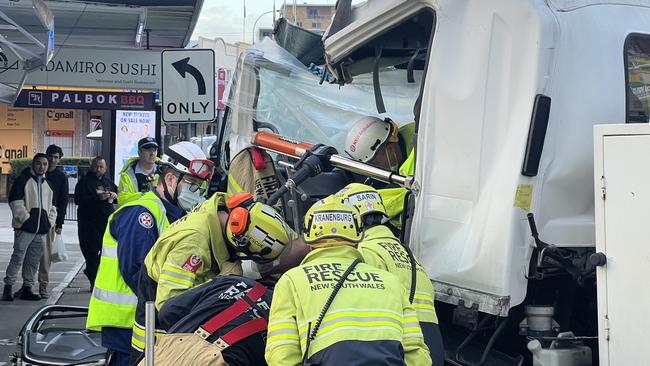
(256, 20)
(150, 331)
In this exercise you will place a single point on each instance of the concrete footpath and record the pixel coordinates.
(68, 285)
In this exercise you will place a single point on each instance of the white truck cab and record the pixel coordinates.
(509, 92)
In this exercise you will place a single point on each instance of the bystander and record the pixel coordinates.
(140, 173)
(31, 200)
(94, 195)
(59, 183)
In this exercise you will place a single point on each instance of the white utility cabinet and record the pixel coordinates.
(622, 199)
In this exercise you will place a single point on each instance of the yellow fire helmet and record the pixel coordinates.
(365, 198)
(329, 199)
(256, 231)
(332, 223)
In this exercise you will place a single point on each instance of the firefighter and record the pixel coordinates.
(381, 249)
(194, 250)
(381, 143)
(139, 173)
(216, 312)
(130, 233)
(334, 309)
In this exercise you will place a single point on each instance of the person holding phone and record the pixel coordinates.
(94, 195)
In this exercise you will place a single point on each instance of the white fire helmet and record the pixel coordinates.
(367, 135)
(188, 158)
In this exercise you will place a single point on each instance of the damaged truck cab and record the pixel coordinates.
(510, 93)
(506, 94)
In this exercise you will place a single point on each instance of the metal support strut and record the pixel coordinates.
(328, 157)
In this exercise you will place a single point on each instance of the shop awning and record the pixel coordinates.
(33, 30)
(108, 23)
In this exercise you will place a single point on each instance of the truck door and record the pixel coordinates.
(622, 185)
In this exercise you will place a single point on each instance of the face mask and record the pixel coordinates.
(188, 199)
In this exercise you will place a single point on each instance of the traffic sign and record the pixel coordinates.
(187, 93)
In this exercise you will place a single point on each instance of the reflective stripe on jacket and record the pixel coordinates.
(370, 321)
(184, 256)
(113, 303)
(381, 249)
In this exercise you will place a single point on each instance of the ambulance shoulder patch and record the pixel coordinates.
(193, 263)
(146, 220)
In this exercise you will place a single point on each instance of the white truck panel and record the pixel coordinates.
(621, 161)
(488, 61)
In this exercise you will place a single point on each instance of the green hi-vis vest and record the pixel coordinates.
(394, 200)
(127, 188)
(112, 303)
(406, 133)
(408, 167)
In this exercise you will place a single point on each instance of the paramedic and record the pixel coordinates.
(130, 233)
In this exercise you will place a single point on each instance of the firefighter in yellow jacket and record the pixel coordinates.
(195, 249)
(381, 249)
(335, 310)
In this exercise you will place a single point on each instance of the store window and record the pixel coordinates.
(64, 141)
(637, 60)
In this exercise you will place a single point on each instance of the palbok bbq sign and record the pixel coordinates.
(85, 100)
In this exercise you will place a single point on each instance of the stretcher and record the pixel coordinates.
(56, 335)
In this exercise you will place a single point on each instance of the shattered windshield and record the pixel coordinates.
(287, 95)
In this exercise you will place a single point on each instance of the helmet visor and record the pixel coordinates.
(201, 168)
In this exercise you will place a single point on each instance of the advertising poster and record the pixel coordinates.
(60, 119)
(15, 135)
(15, 118)
(72, 173)
(14, 144)
(131, 126)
